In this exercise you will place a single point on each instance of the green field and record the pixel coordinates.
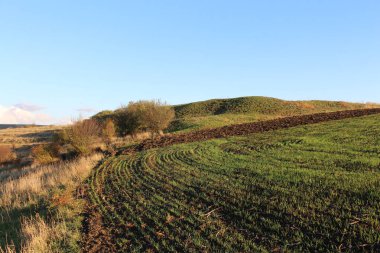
(312, 188)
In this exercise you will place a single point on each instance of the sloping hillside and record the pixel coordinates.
(248, 128)
(260, 105)
(221, 112)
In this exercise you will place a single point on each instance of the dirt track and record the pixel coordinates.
(247, 128)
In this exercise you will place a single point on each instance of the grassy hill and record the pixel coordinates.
(221, 112)
(312, 188)
(262, 105)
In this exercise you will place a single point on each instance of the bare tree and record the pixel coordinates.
(108, 131)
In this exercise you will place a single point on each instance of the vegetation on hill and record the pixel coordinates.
(221, 112)
(260, 105)
(312, 188)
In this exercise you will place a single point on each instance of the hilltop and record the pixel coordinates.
(261, 105)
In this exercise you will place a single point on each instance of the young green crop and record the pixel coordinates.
(313, 188)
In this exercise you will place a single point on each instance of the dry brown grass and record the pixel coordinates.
(37, 233)
(6, 154)
(22, 188)
(45, 153)
(27, 135)
(372, 105)
(305, 105)
(24, 138)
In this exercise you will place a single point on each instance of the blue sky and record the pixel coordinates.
(62, 58)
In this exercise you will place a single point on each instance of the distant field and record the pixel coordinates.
(313, 188)
(4, 126)
(24, 137)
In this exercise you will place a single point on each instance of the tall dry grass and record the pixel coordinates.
(6, 154)
(22, 188)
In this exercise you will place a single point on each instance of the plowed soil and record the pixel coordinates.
(247, 128)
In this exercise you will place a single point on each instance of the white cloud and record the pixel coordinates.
(29, 107)
(17, 115)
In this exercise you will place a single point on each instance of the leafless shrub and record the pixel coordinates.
(82, 136)
(142, 116)
(45, 153)
(108, 131)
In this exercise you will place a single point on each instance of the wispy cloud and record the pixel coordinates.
(29, 107)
